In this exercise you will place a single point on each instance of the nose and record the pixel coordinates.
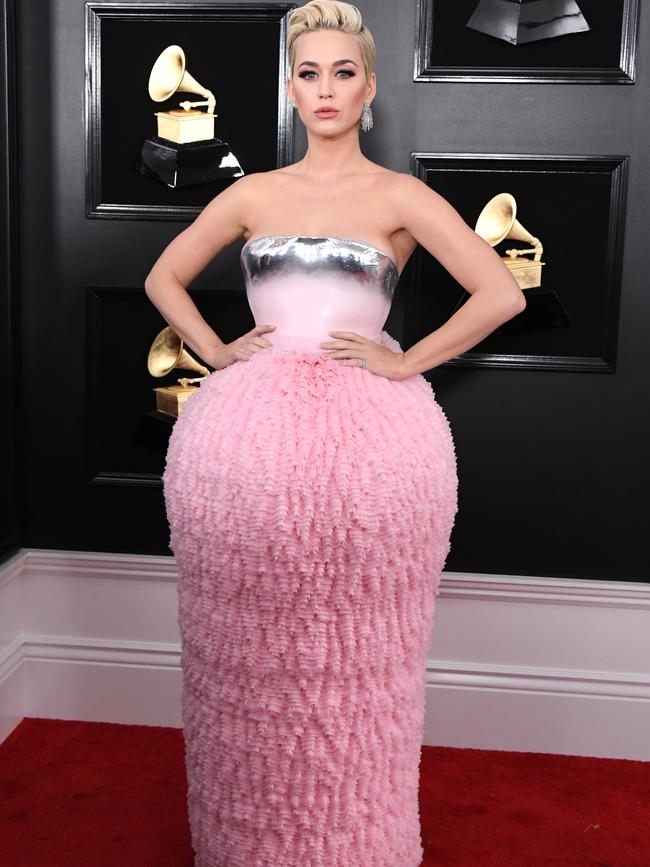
(325, 89)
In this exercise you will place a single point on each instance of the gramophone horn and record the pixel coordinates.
(168, 75)
(167, 352)
(498, 220)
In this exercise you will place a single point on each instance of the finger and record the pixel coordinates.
(347, 335)
(346, 354)
(260, 329)
(255, 344)
(340, 344)
(333, 344)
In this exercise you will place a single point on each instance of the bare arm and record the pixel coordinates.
(495, 294)
(220, 223)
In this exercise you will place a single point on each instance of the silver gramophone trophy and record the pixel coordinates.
(520, 21)
(185, 151)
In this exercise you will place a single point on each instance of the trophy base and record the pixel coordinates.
(188, 164)
(171, 398)
(543, 310)
(526, 272)
(183, 127)
(520, 21)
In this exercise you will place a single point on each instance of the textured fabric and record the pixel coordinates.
(310, 507)
(307, 286)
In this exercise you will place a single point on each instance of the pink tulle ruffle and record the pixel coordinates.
(310, 507)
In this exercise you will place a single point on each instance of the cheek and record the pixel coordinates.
(358, 88)
(300, 86)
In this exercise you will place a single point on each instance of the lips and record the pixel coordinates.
(327, 112)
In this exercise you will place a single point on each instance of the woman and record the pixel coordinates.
(311, 491)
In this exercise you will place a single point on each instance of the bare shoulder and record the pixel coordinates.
(395, 188)
(401, 186)
(242, 189)
(413, 204)
(268, 180)
(251, 186)
(236, 204)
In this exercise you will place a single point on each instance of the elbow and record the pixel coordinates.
(515, 305)
(516, 302)
(148, 285)
(519, 303)
(158, 280)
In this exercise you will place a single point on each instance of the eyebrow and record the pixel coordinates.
(336, 63)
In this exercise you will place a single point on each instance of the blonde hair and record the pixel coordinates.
(330, 15)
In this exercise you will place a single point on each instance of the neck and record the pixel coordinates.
(332, 156)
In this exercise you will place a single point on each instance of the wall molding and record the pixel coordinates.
(515, 662)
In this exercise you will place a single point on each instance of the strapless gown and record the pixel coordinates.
(310, 507)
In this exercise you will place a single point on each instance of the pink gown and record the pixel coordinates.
(310, 507)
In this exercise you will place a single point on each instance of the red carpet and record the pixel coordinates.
(79, 794)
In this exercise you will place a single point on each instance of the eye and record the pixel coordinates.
(308, 73)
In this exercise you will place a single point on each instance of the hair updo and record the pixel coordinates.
(330, 15)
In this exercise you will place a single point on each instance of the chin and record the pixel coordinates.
(334, 129)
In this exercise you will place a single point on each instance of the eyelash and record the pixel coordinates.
(306, 72)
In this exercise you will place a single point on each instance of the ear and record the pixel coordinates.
(290, 88)
(372, 87)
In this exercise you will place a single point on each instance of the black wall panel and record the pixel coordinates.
(9, 286)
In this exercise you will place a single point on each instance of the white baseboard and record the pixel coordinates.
(515, 663)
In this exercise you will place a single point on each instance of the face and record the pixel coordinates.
(328, 73)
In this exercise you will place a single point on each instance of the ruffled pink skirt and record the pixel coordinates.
(310, 507)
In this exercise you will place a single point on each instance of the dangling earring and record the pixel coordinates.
(366, 117)
(292, 104)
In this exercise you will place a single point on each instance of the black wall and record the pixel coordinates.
(553, 465)
(9, 287)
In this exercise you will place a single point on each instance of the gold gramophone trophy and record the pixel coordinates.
(498, 222)
(185, 151)
(167, 352)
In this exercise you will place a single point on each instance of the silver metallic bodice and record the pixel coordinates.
(308, 286)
